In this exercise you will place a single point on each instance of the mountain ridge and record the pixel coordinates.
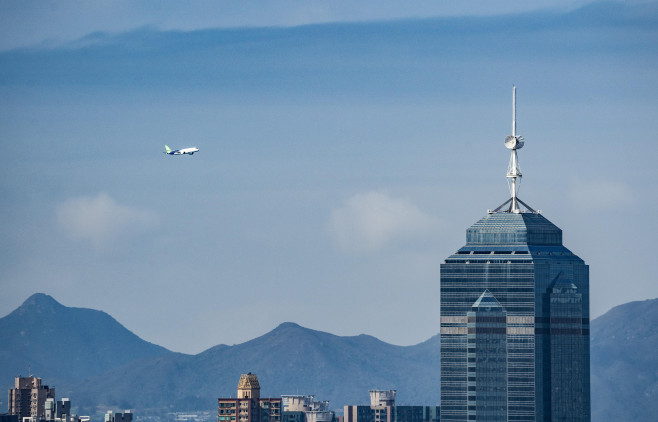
(625, 363)
(292, 359)
(42, 327)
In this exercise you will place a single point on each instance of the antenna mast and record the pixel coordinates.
(514, 142)
(513, 110)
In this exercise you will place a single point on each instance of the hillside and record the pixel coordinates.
(96, 361)
(625, 363)
(288, 360)
(59, 343)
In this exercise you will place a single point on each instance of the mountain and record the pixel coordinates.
(288, 360)
(58, 343)
(99, 362)
(96, 361)
(625, 363)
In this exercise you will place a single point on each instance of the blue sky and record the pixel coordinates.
(25, 23)
(344, 152)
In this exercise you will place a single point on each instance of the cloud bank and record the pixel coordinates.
(370, 221)
(99, 220)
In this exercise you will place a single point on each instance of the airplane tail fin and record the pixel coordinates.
(167, 149)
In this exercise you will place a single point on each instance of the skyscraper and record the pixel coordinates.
(514, 318)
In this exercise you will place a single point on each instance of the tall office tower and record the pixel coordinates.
(28, 398)
(249, 406)
(514, 318)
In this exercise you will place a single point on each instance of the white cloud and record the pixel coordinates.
(370, 221)
(599, 194)
(99, 219)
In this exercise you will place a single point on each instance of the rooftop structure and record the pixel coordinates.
(248, 386)
(382, 397)
(382, 408)
(298, 408)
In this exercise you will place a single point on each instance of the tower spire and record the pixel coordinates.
(513, 110)
(514, 142)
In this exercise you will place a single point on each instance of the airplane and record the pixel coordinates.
(183, 151)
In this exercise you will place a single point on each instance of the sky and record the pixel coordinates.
(345, 148)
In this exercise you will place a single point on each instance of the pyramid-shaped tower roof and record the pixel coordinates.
(505, 228)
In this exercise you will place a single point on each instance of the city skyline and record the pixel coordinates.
(337, 157)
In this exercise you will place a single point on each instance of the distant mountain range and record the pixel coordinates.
(59, 343)
(288, 360)
(96, 361)
(624, 350)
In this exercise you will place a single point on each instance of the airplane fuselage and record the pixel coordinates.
(183, 151)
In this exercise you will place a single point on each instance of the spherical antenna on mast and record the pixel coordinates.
(514, 142)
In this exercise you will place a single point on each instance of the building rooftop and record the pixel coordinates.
(248, 382)
(514, 229)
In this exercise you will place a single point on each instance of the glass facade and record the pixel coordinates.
(487, 360)
(543, 292)
(566, 344)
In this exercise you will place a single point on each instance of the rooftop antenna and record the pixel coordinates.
(513, 142)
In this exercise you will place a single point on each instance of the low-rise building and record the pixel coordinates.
(305, 409)
(28, 398)
(31, 401)
(126, 416)
(383, 409)
(249, 406)
(57, 410)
